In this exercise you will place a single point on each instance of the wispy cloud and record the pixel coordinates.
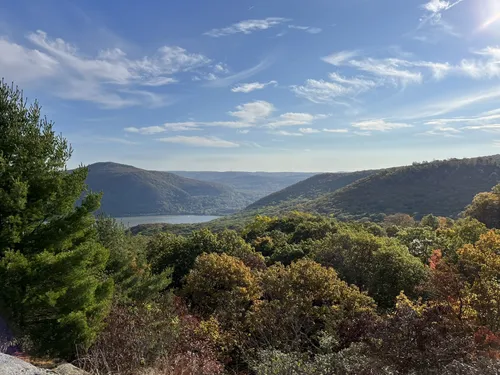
(442, 131)
(295, 119)
(336, 130)
(248, 115)
(169, 126)
(379, 125)
(200, 141)
(486, 127)
(464, 120)
(339, 58)
(433, 19)
(309, 131)
(389, 69)
(249, 87)
(110, 78)
(307, 29)
(321, 91)
(247, 27)
(240, 76)
(285, 133)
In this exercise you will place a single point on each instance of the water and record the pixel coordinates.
(132, 221)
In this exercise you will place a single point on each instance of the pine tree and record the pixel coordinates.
(53, 285)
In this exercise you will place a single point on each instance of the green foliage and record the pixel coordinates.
(442, 188)
(170, 251)
(127, 263)
(132, 191)
(302, 301)
(221, 285)
(485, 207)
(51, 268)
(430, 221)
(371, 262)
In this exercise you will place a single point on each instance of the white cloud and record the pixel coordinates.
(379, 125)
(200, 141)
(340, 58)
(475, 120)
(244, 131)
(356, 84)
(237, 77)
(117, 68)
(295, 119)
(25, 65)
(247, 27)
(182, 126)
(443, 131)
(389, 69)
(483, 127)
(433, 19)
(146, 130)
(336, 130)
(307, 29)
(436, 6)
(320, 91)
(249, 87)
(454, 103)
(254, 111)
(286, 133)
(221, 68)
(308, 130)
(110, 78)
(160, 81)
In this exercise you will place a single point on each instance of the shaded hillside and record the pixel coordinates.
(133, 191)
(311, 188)
(253, 184)
(442, 188)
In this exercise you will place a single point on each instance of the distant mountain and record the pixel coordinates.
(253, 184)
(310, 188)
(133, 191)
(443, 188)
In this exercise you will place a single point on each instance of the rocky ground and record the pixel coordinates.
(10, 365)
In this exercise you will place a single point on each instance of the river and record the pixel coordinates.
(132, 221)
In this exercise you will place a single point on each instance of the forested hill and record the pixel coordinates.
(133, 191)
(311, 188)
(442, 188)
(253, 184)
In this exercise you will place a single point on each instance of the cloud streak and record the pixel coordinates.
(196, 141)
(249, 87)
(247, 27)
(379, 125)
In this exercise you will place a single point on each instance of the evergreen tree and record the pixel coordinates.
(54, 288)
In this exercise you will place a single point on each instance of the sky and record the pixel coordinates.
(260, 85)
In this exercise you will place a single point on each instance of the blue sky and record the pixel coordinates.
(281, 85)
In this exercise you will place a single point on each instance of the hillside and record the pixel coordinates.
(255, 185)
(442, 188)
(311, 188)
(133, 191)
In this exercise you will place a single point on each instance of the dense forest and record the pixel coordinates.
(255, 185)
(297, 294)
(133, 191)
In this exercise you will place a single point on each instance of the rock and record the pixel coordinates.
(68, 369)
(14, 366)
